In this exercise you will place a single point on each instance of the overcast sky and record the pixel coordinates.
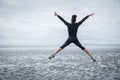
(32, 22)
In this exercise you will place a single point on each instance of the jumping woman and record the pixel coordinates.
(72, 32)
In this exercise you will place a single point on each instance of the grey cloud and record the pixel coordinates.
(33, 20)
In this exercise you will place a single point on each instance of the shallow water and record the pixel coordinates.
(69, 64)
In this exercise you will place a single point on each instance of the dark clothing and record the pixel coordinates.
(72, 32)
(72, 40)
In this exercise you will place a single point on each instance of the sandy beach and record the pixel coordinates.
(25, 63)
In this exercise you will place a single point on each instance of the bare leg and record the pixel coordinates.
(53, 55)
(88, 53)
(58, 51)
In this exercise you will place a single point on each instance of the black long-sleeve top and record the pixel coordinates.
(72, 27)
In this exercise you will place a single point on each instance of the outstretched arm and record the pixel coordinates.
(91, 14)
(65, 22)
(85, 18)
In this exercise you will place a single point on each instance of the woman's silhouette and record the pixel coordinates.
(72, 32)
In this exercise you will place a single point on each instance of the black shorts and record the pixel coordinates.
(72, 40)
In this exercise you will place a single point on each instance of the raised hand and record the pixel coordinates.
(91, 14)
(55, 14)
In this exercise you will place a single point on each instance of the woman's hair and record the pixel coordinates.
(73, 20)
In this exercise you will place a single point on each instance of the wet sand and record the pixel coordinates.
(70, 64)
